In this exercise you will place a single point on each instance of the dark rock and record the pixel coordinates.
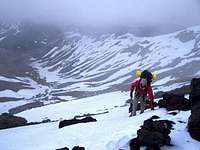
(163, 126)
(194, 122)
(78, 148)
(153, 134)
(154, 147)
(178, 91)
(181, 121)
(173, 113)
(25, 107)
(194, 119)
(9, 121)
(174, 102)
(195, 91)
(75, 121)
(155, 117)
(64, 148)
(46, 120)
(135, 144)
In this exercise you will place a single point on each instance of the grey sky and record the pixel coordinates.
(103, 12)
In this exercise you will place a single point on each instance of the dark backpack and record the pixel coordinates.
(147, 75)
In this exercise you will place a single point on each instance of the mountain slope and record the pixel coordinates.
(85, 65)
(18, 44)
(112, 131)
(67, 64)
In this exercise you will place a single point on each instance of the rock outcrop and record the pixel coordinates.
(75, 121)
(194, 119)
(174, 102)
(9, 121)
(153, 134)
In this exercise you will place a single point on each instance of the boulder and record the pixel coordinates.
(195, 91)
(75, 121)
(174, 102)
(153, 134)
(64, 148)
(134, 144)
(78, 148)
(194, 119)
(194, 124)
(9, 121)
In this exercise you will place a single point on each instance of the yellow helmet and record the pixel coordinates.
(138, 73)
(154, 77)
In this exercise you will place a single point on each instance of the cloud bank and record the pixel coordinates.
(103, 12)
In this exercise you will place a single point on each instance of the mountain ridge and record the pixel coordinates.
(73, 65)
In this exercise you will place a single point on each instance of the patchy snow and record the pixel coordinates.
(170, 87)
(31, 89)
(5, 106)
(105, 60)
(163, 81)
(112, 131)
(198, 73)
(10, 93)
(2, 38)
(45, 73)
(3, 78)
(50, 52)
(102, 62)
(44, 42)
(35, 89)
(67, 98)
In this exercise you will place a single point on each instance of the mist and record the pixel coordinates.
(102, 12)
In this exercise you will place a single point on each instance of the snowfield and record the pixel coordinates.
(112, 131)
(88, 64)
(102, 63)
(76, 66)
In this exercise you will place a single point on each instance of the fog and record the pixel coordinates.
(102, 12)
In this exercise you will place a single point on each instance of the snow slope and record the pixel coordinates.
(29, 88)
(77, 66)
(73, 65)
(112, 130)
(84, 64)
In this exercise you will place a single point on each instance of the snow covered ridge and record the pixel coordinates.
(78, 65)
(112, 131)
(90, 64)
(31, 88)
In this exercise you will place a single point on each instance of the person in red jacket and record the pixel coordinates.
(143, 91)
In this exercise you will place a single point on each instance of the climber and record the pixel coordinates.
(143, 91)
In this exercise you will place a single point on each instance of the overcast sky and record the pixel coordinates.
(103, 12)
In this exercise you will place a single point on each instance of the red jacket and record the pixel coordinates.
(136, 86)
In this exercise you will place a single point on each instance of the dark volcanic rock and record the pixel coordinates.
(78, 148)
(75, 121)
(64, 148)
(174, 102)
(195, 91)
(25, 107)
(194, 119)
(9, 121)
(153, 134)
(135, 144)
(194, 122)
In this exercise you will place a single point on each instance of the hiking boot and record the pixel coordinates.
(131, 115)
